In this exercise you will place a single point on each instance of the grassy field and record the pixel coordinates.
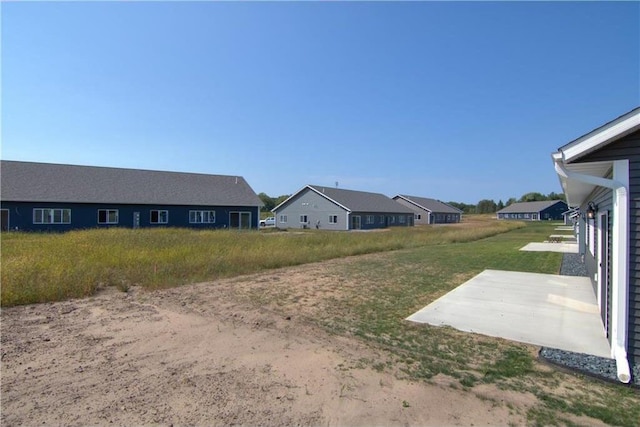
(405, 281)
(39, 267)
(367, 297)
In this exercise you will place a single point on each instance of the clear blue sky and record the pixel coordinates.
(457, 101)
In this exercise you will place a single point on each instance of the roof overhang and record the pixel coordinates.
(418, 205)
(565, 159)
(577, 191)
(310, 188)
(598, 138)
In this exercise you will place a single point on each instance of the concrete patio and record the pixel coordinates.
(541, 309)
(564, 247)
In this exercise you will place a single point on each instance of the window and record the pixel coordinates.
(371, 219)
(283, 218)
(333, 219)
(202, 217)
(381, 219)
(107, 216)
(159, 217)
(417, 216)
(303, 219)
(402, 219)
(392, 219)
(51, 216)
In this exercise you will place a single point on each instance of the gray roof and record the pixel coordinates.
(431, 205)
(356, 201)
(46, 182)
(527, 207)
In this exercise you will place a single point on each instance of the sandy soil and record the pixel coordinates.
(197, 356)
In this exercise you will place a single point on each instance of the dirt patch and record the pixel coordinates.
(205, 355)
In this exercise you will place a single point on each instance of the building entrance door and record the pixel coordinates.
(240, 220)
(355, 222)
(4, 222)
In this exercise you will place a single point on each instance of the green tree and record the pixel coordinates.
(465, 208)
(281, 199)
(511, 201)
(532, 197)
(269, 203)
(555, 196)
(485, 206)
(500, 205)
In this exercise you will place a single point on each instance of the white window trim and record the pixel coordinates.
(166, 221)
(51, 214)
(203, 213)
(108, 211)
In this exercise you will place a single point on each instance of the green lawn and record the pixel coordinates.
(371, 296)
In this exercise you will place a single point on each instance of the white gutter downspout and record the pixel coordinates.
(619, 258)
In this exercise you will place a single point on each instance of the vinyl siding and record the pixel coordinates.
(85, 216)
(318, 208)
(315, 207)
(424, 214)
(603, 198)
(629, 148)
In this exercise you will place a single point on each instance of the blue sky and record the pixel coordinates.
(457, 101)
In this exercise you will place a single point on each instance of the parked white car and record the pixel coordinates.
(268, 222)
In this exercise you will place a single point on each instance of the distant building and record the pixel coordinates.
(534, 211)
(329, 208)
(54, 197)
(429, 211)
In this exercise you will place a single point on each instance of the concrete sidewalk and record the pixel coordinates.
(541, 309)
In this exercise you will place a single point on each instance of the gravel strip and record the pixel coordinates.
(586, 364)
(572, 265)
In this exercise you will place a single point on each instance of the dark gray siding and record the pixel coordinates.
(603, 198)
(84, 216)
(372, 220)
(629, 148)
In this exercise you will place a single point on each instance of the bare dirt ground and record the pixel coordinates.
(199, 355)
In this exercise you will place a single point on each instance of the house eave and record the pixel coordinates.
(308, 187)
(598, 138)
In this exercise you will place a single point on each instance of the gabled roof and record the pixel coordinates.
(353, 201)
(431, 205)
(602, 136)
(46, 182)
(528, 207)
(568, 156)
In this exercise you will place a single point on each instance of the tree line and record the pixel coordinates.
(271, 202)
(485, 206)
(482, 207)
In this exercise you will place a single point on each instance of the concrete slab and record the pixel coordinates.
(564, 247)
(541, 309)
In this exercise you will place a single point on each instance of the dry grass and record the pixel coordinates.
(40, 267)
